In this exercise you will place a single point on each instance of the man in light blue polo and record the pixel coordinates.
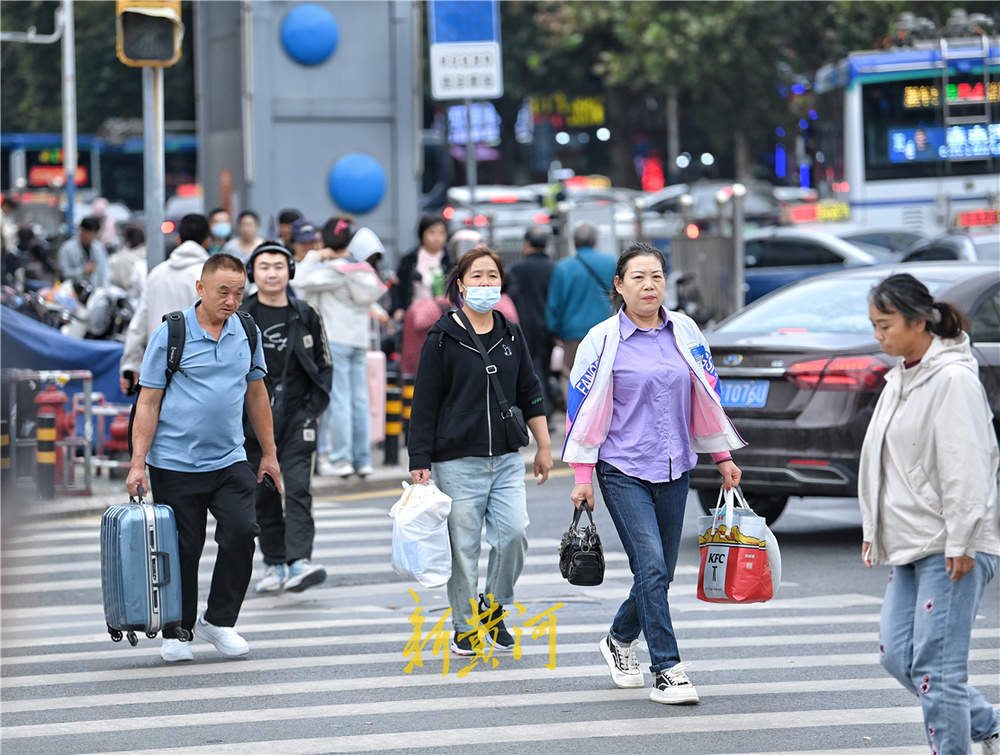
(191, 436)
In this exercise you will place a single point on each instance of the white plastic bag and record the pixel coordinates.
(421, 548)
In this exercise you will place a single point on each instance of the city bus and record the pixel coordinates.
(909, 137)
(32, 164)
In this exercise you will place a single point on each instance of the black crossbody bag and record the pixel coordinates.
(514, 426)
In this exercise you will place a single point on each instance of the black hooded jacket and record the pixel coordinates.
(310, 348)
(455, 412)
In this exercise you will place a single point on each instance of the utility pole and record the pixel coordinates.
(69, 109)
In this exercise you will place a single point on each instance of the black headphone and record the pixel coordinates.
(271, 247)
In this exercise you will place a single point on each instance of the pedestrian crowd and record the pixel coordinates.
(273, 385)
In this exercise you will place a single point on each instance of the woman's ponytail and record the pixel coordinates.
(948, 321)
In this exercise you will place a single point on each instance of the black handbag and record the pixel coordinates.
(581, 556)
(514, 426)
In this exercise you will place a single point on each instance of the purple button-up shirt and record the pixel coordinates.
(649, 437)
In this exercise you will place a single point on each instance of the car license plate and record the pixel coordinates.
(746, 394)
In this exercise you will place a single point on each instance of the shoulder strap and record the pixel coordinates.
(491, 369)
(250, 326)
(593, 273)
(176, 334)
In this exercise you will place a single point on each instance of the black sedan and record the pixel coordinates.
(800, 372)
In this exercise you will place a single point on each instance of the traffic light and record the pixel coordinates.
(148, 32)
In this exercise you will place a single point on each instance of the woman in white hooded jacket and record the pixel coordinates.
(927, 487)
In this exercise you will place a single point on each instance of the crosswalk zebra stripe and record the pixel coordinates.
(361, 659)
(339, 555)
(620, 728)
(425, 705)
(401, 638)
(432, 679)
(249, 628)
(381, 567)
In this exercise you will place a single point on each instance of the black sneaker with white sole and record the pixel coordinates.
(672, 687)
(461, 644)
(622, 662)
(497, 632)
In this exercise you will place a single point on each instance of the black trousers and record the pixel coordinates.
(287, 534)
(229, 494)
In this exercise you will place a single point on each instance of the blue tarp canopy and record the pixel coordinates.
(28, 344)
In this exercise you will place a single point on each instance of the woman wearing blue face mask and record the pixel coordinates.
(456, 426)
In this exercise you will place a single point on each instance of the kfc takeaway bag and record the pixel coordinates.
(738, 552)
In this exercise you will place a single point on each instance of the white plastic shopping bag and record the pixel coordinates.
(421, 548)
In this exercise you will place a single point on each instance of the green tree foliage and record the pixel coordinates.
(726, 59)
(31, 74)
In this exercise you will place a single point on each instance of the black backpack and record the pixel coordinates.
(176, 335)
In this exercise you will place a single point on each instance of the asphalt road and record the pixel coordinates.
(327, 669)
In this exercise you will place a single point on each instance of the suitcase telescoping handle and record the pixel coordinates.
(140, 493)
(164, 572)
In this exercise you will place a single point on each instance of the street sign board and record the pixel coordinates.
(465, 49)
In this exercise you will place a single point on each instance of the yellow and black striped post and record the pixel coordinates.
(393, 414)
(45, 456)
(407, 402)
(6, 473)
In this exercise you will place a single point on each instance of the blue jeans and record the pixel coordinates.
(490, 489)
(649, 517)
(926, 627)
(346, 433)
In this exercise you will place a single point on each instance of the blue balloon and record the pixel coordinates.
(309, 34)
(357, 183)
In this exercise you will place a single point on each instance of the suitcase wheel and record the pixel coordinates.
(116, 636)
(184, 635)
(132, 639)
(151, 635)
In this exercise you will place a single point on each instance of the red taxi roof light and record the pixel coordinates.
(505, 199)
(540, 218)
(852, 373)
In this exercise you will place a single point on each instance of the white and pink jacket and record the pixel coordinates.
(589, 402)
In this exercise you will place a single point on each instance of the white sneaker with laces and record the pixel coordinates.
(366, 470)
(173, 651)
(622, 662)
(673, 687)
(274, 578)
(302, 574)
(225, 639)
(338, 468)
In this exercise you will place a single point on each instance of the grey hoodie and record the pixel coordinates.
(170, 286)
(927, 483)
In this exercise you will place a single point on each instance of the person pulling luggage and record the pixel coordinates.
(189, 430)
(300, 373)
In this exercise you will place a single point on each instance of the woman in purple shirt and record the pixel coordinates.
(660, 369)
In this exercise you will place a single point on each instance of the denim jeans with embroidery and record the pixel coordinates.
(926, 628)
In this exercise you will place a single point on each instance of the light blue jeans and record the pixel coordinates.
(926, 629)
(486, 489)
(345, 434)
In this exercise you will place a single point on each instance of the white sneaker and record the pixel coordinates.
(366, 470)
(672, 687)
(335, 469)
(173, 651)
(225, 639)
(302, 574)
(274, 578)
(623, 662)
(991, 745)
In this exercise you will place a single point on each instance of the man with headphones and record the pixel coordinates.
(300, 374)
